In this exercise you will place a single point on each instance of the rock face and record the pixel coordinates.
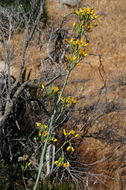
(70, 3)
(109, 128)
(3, 67)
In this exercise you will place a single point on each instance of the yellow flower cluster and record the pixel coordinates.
(42, 130)
(41, 126)
(53, 90)
(87, 11)
(86, 15)
(38, 124)
(44, 133)
(78, 42)
(74, 59)
(71, 132)
(69, 100)
(70, 148)
(83, 52)
(78, 46)
(54, 139)
(60, 163)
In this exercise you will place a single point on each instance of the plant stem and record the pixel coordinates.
(41, 164)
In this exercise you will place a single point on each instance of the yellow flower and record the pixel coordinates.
(73, 100)
(59, 164)
(88, 10)
(38, 124)
(74, 24)
(95, 24)
(65, 165)
(71, 40)
(74, 58)
(39, 134)
(64, 132)
(88, 27)
(29, 163)
(77, 12)
(55, 89)
(70, 148)
(45, 133)
(94, 16)
(81, 42)
(45, 126)
(68, 164)
(72, 132)
(78, 64)
(77, 135)
(81, 24)
(68, 57)
(54, 139)
(43, 86)
(56, 162)
(92, 11)
(85, 44)
(67, 40)
(83, 52)
(84, 11)
(77, 42)
(70, 100)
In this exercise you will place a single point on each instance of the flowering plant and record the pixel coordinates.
(63, 143)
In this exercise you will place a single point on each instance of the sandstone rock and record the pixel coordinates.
(70, 3)
(3, 67)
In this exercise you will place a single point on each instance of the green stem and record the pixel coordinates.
(44, 151)
(41, 164)
(64, 85)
